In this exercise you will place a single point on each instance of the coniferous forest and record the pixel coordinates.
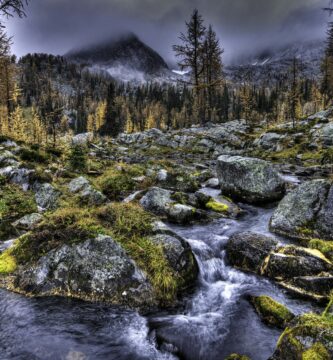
(166, 193)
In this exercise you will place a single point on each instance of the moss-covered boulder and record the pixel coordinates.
(116, 254)
(97, 269)
(302, 271)
(250, 180)
(272, 312)
(306, 212)
(308, 337)
(291, 261)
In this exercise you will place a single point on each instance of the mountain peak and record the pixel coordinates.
(125, 50)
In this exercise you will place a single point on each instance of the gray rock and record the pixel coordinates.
(306, 212)
(291, 262)
(178, 253)
(316, 287)
(82, 139)
(88, 195)
(28, 222)
(270, 141)
(321, 115)
(7, 158)
(47, 197)
(181, 214)
(91, 196)
(162, 175)
(9, 144)
(157, 201)
(248, 179)
(209, 144)
(97, 269)
(309, 336)
(248, 251)
(324, 135)
(18, 176)
(297, 269)
(213, 183)
(78, 184)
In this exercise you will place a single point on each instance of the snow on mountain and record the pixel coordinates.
(275, 64)
(126, 59)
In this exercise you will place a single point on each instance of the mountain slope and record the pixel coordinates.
(126, 59)
(275, 64)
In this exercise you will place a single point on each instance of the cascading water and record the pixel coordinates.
(216, 321)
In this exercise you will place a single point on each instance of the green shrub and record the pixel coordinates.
(34, 156)
(78, 159)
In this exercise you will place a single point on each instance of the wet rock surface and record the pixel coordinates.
(250, 180)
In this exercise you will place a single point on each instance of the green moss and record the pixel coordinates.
(65, 226)
(272, 312)
(316, 352)
(287, 154)
(14, 203)
(132, 226)
(118, 182)
(180, 198)
(217, 206)
(237, 357)
(326, 247)
(7, 263)
(312, 326)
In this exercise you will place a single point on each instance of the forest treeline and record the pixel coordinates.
(44, 97)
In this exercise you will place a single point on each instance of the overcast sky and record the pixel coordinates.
(57, 26)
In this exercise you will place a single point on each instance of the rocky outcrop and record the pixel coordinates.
(87, 194)
(97, 269)
(46, 197)
(82, 139)
(183, 208)
(160, 202)
(303, 271)
(250, 180)
(270, 141)
(306, 212)
(307, 337)
(323, 134)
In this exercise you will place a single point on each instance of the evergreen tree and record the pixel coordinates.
(294, 93)
(112, 123)
(327, 68)
(191, 50)
(212, 68)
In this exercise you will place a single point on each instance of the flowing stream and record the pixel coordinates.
(216, 321)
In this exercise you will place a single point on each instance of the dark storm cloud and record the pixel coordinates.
(58, 25)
